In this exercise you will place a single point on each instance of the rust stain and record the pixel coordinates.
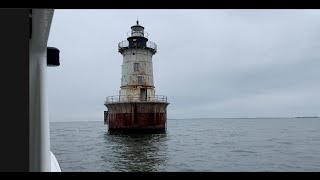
(137, 120)
(136, 87)
(137, 116)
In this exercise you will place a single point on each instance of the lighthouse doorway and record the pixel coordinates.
(143, 94)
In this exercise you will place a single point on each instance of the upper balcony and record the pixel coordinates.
(123, 45)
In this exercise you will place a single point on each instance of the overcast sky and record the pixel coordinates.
(210, 63)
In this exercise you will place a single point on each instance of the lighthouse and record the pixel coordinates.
(137, 108)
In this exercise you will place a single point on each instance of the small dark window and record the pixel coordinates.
(133, 53)
(136, 66)
(139, 80)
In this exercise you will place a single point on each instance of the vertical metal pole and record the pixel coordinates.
(39, 154)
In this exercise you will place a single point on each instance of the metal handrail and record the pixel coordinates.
(125, 44)
(128, 98)
(151, 45)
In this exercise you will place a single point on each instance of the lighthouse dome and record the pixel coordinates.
(137, 30)
(137, 27)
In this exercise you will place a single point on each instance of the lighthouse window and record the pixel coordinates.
(139, 80)
(136, 66)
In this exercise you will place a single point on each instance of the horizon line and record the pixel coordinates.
(210, 118)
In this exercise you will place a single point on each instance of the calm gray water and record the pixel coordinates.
(284, 144)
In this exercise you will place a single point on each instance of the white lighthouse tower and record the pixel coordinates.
(137, 107)
(137, 73)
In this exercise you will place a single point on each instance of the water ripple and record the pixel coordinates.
(191, 145)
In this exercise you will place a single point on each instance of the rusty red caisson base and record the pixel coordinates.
(137, 117)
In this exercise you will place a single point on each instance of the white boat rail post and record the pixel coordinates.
(41, 159)
(39, 137)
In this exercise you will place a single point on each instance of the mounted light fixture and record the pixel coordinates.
(53, 57)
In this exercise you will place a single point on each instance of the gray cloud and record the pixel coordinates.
(210, 63)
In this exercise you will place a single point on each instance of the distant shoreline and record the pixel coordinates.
(307, 117)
